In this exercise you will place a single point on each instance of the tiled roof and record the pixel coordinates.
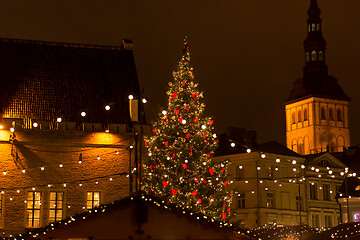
(46, 80)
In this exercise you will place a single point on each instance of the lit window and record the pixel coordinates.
(309, 28)
(339, 115)
(270, 172)
(305, 114)
(313, 27)
(331, 114)
(33, 209)
(322, 114)
(56, 206)
(307, 57)
(313, 56)
(93, 200)
(318, 27)
(321, 56)
(241, 200)
(270, 201)
(299, 116)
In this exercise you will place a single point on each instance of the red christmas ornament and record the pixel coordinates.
(225, 183)
(194, 193)
(173, 155)
(199, 201)
(224, 204)
(194, 95)
(165, 183)
(211, 171)
(217, 141)
(154, 130)
(187, 135)
(145, 143)
(187, 109)
(170, 99)
(190, 149)
(184, 165)
(195, 120)
(180, 119)
(206, 142)
(183, 83)
(174, 191)
(177, 112)
(229, 209)
(151, 167)
(208, 155)
(223, 169)
(204, 181)
(204, 136)
(138, 180)
(211, 122)
(223, 215)
(174, 94)
(166, 143)
(167, 120)
(196, 180)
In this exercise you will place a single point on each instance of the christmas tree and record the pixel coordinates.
(180, 169)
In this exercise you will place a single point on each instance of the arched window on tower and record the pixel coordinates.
(322, 114)
(339, 115)
(293, 118)
(299, 116)
(313, 27)
(309, 28)
(318, 27)
(313, 56)
(321, 56)
(307, 57)
(331, 114)
(305, 114)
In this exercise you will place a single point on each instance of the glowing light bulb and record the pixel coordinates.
(164, 112)
(232, 144)
(59, 119)
(107, 107)
(248, 150)
(131, 97)
(293, 161)
(1, 127)
(83, 114)
(277, 160)
(144, 100)
(35, 124)
(203, 127)
(12, 129)
(183, 121)
(214, 135)
(263, 155)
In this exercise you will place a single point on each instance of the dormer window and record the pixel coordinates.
(322, 114)
(321, 56)
(313, 56)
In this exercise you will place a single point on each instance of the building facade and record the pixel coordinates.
(317, 107)
(65, 132)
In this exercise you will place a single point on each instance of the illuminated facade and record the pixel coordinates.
(317, 107)
(65, 132)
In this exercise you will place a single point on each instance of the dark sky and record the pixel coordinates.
(245, 54)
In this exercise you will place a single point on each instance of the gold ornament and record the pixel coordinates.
(170, 84)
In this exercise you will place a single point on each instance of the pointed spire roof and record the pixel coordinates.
(315, 81)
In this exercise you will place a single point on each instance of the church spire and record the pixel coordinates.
(314, 44)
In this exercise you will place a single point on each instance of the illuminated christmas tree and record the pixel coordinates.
(180, 169)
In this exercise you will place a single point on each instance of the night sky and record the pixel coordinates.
(246, 54)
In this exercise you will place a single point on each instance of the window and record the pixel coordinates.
(321, 56)
(270, 203)
(241, 200)
(331, 114)
(239, 173)
(299, 206)
(33, 209)
(313, 191)
(328, 221)
(326, 192)
(315, 220)
(318, 27)
(270, 172)
(313, 27)
(56, 206)
(322, 114)
(339, 115)
(309, 28)
(93, 200)
(293, 118)
(307, 57)
(313, 56)
(305, 114)
(324, 163)
(299, 116)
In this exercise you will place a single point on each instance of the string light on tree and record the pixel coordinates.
(180, 169)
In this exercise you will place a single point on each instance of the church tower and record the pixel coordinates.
(317, 107)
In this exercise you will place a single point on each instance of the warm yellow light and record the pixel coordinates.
(107, 107)
(1, 127)
(35, 124)
(107, 130)
(12, 129)
(59, 119)
(83, 114)
(131, 97)
(232, 144)
(144, 100)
